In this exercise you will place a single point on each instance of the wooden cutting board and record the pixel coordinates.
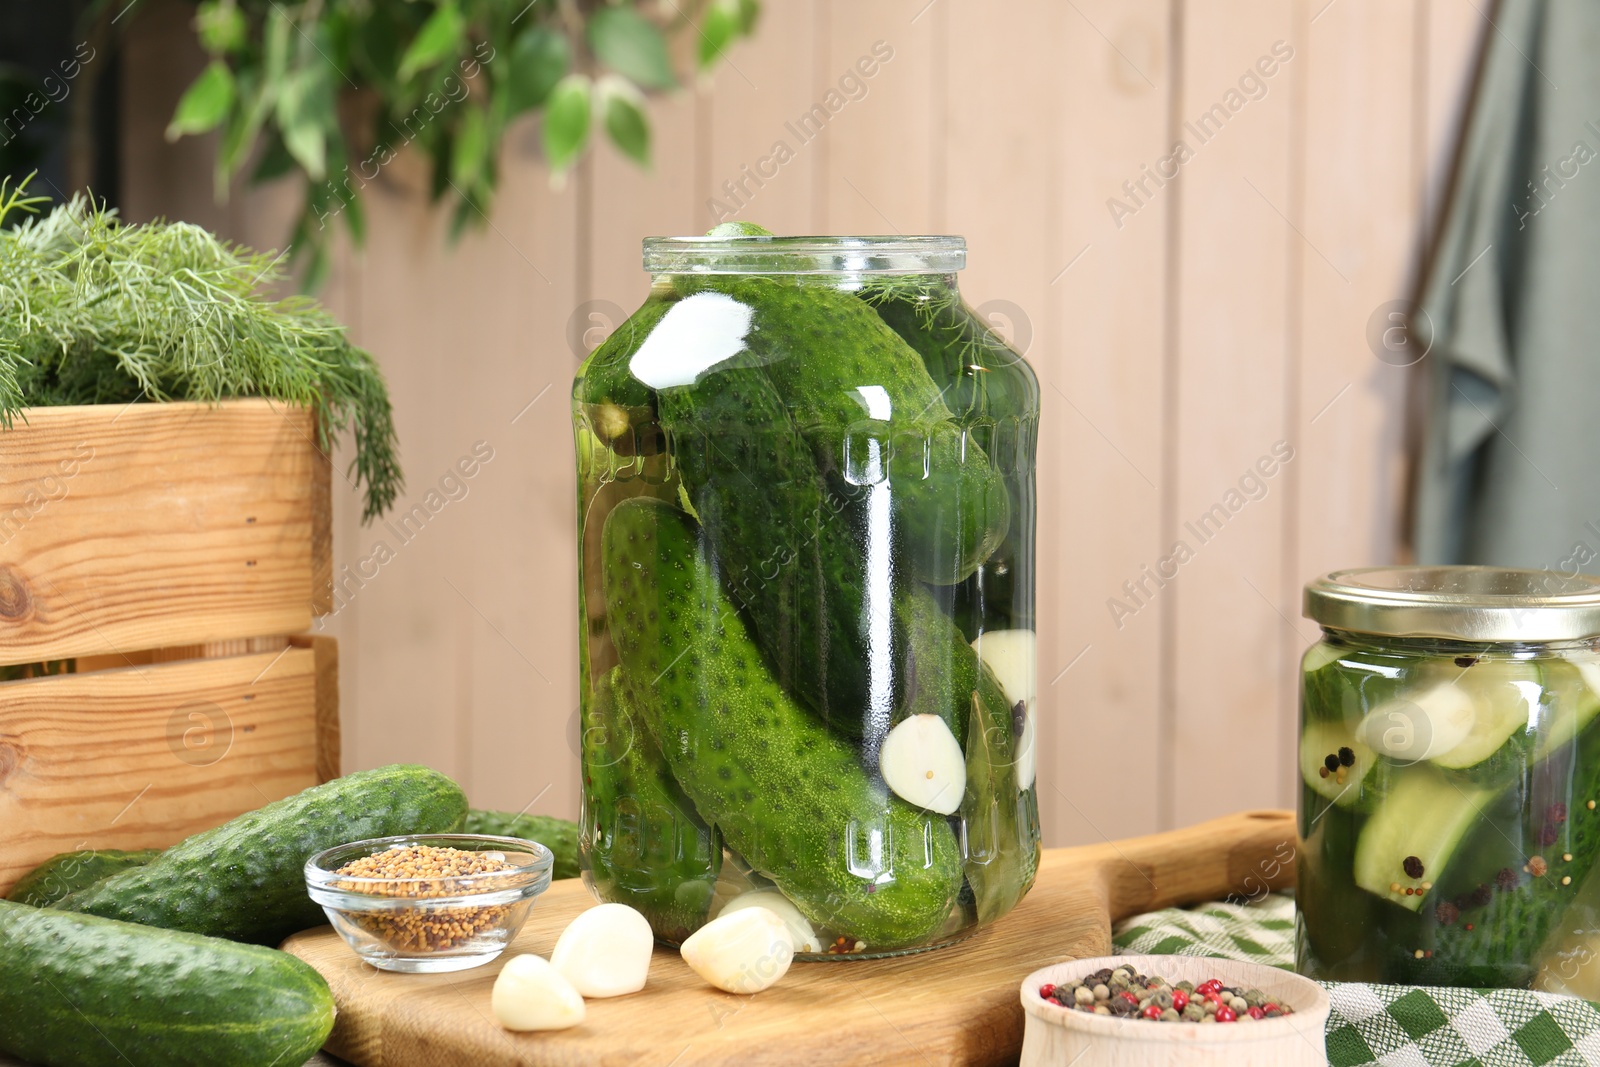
(954, 1005)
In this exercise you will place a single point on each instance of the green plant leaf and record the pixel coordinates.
(626, 122)
(566, 121)
(632, 46)
(305, 116)
(205, 103)
(538, 60)
(274, 163)
(717, 31)
(221, 27)
(749, 13)
(440, 38)
(471, 148)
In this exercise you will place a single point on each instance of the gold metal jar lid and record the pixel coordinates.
(1457, 603)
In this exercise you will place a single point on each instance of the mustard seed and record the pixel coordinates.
(422, 872)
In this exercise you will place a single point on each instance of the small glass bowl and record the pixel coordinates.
(433, 923)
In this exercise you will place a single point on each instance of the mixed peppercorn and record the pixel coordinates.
(1124, 993)
(1338, 764)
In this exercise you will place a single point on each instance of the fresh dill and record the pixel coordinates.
(95, 311)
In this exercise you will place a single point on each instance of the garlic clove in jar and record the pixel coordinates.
(1012, 656)
(923, 764)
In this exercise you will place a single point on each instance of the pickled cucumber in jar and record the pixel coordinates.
(1448, 775)
(782, 525)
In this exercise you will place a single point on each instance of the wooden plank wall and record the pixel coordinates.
(1186, 344)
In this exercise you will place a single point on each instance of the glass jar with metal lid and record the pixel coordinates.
(1449, 765)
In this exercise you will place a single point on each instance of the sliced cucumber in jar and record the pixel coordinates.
(1334, 762)
(1423, 724)
(1410, 838)
(1506, 697)
(1573, 681)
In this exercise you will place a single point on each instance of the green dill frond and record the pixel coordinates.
(93, 311)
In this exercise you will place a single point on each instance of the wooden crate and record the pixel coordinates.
(169, 553)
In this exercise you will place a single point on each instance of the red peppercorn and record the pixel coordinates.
(1180, 1000)
(1046, 989)
(1270, 1007)
(1258, 1013)
(1225, 1014)
(1129, 997)
(1153, 1012)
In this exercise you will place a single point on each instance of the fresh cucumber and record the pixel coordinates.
(1504, 913)
(786, 794)
(560, 836)
(245, 880)
(1325, 746)
(869, 410)
(60, 876)
(643, 843)
(81, 991)
(1422, 817)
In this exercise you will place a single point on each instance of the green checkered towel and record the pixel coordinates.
(1397, 1026)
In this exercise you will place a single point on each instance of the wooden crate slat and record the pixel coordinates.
(143, 757)
(330, 753)
(156, 525)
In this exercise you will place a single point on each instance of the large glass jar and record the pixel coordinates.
(1450, 765)
(806, 517)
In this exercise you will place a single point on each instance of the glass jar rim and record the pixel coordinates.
(1463, 603)
(848, 255)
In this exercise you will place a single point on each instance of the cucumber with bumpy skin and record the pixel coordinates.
(786, 548)
(60, 876)
(560, 836)
(868, 409)
(615, 404)
(81, 991)
(788, 796)
(245, 880)
(643, 845)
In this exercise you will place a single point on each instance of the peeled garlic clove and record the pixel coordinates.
(530, 994)
(923, 763)
(805, 939)
(605, 952)
(1013, 656)
(1027, 751)
(742, 952)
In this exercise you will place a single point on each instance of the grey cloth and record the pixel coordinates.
(1509, 472)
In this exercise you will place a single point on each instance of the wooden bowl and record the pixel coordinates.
(1055, 1035)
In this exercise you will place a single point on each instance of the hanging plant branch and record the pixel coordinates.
(447, 77)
